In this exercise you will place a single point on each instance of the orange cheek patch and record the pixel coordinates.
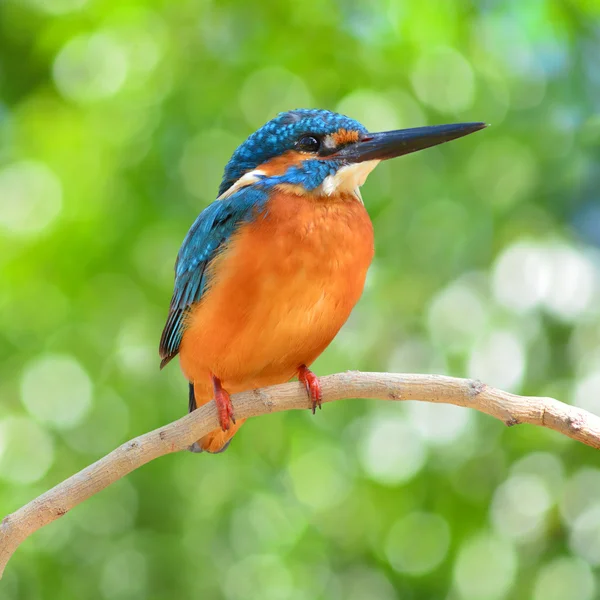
(344, 136)
(280, 164)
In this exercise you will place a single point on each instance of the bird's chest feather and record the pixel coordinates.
(286, 282)
(302, 254)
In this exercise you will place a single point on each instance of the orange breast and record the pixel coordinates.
(279, 293)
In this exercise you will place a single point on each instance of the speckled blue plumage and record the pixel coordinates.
(215, 225)
(279, 135)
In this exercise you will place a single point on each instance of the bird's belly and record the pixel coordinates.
(278, 296)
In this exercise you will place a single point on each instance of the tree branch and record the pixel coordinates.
(571, 421)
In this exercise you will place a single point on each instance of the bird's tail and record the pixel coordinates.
(217, 440)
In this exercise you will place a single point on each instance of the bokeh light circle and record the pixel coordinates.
(26, 450)
(30, 197)
(56, 390)
(565, 578)
(418, 543)
(390, 451)
(485, 568)
(90, 68)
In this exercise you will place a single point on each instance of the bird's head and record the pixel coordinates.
(322, 152)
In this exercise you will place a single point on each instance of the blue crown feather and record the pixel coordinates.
(279, 135)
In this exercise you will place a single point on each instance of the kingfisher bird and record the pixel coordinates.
(270, 271)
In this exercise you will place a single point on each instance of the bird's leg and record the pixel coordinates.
(312, 385)
(223, 402)
(192, 398)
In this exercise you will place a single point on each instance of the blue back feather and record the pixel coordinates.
(208, 235)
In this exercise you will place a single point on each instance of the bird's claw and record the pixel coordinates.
(225, 410)
(224, 406)
(312, 385)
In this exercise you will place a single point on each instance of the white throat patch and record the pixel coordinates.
(348, 179)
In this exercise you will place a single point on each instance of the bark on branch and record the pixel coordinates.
(569, 420)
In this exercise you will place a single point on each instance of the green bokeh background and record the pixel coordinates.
(116, 119)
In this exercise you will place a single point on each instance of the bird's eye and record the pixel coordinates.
(308, 143)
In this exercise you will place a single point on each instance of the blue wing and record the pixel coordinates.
(207, 236)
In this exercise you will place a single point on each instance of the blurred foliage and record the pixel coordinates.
(116, 119)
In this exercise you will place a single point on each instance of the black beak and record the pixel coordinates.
(389, 144)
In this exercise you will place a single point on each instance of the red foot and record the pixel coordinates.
(223, 402)
(312, 385)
